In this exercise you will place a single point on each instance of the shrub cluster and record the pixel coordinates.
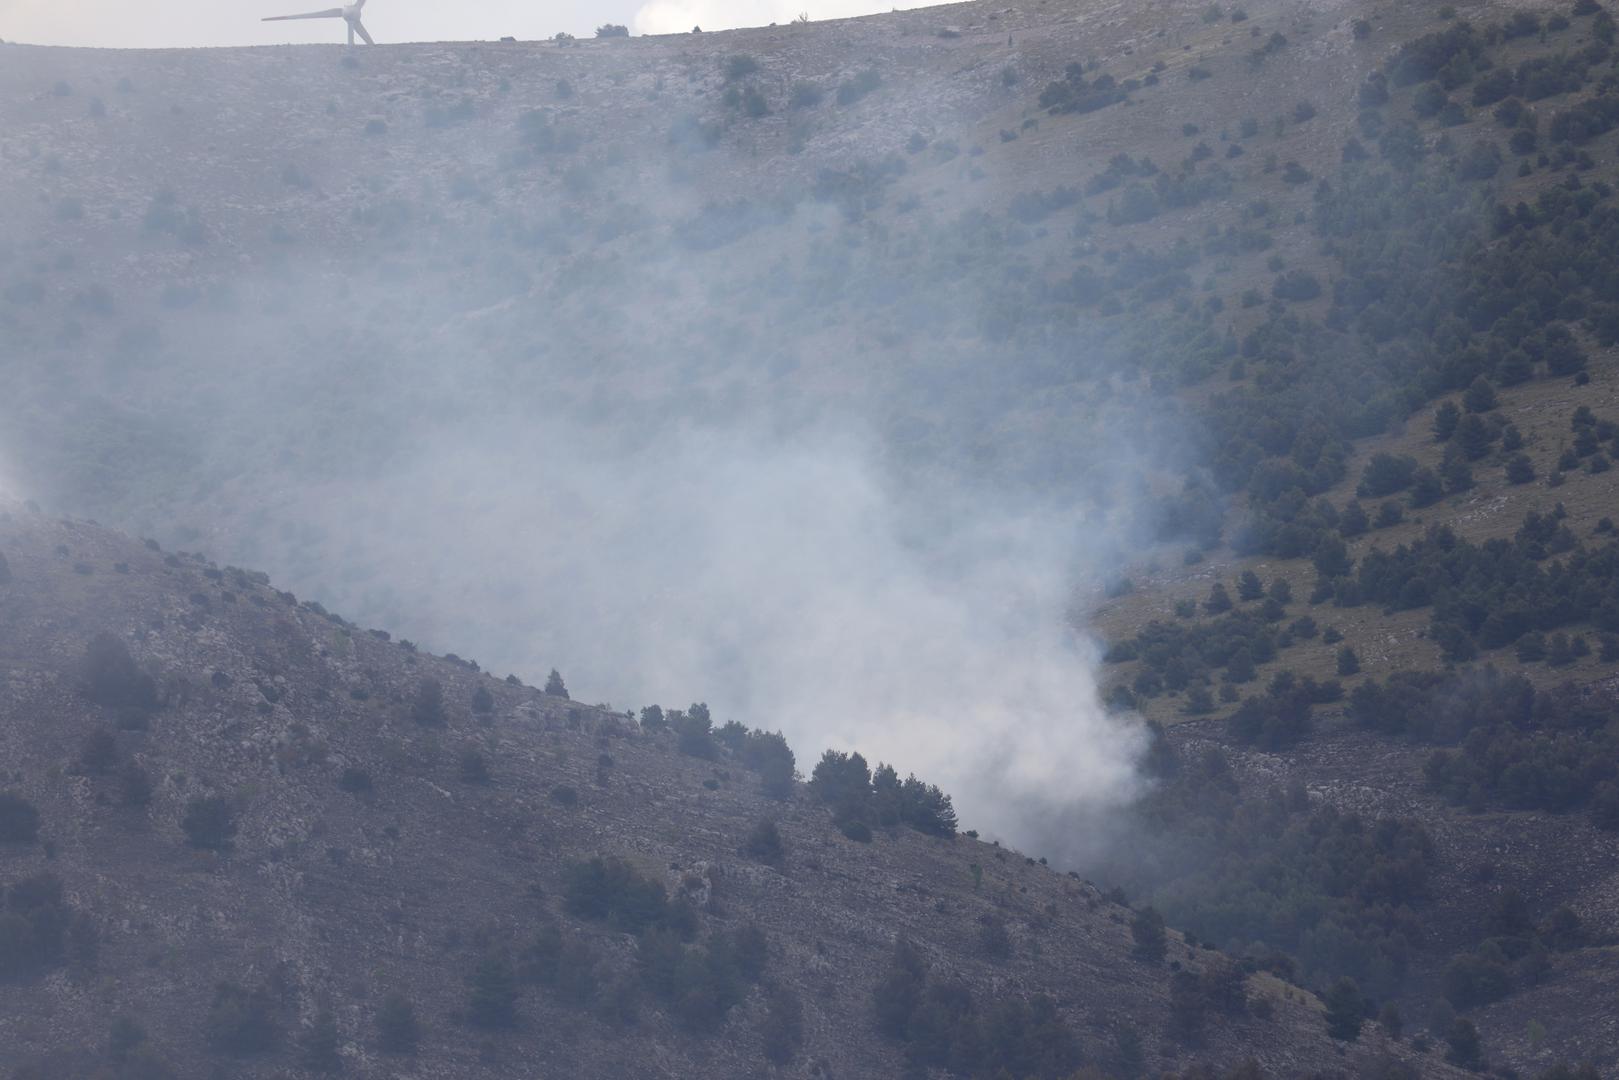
(942, 1026)
(859, 796)
(39, 928)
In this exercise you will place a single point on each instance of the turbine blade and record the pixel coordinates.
(359, 29)
(329, 13)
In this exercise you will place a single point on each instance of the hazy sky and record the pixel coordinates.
(171, 23)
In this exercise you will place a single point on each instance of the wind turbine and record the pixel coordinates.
(349, 14)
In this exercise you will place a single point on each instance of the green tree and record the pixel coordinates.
(1249, 587)
(134, 785)
(112, 677)
(1457, 474)
(694, 732)
(428, 707)
(398, 1031)
(19, 819)
(1345, 1010)
(1480, 396)
(124, 1036)
(1188, 1007)
(209, 822)
(1331, 557)
(1147, 930)
(1426, 488)
(99, 754)
(1385, 474)
(1462, 1045)
(554, 685)
(1348, 662)
(842, 781)
(319, 1048)
(783, 1026)
(1445, 419)
(241, 1021)
(763, 843)
(492, 998)
(1474, 436)
(474, 769)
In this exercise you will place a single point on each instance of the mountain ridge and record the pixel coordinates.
(326, 891)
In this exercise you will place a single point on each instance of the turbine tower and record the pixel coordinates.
(349, 14)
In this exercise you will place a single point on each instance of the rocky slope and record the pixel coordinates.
(333, 893)
(244, 293)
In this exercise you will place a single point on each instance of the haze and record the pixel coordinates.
(486, 366)
(201, 23)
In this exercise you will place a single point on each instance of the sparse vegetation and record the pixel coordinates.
(398, 1031)
(112, 678)
(210, 822)
(554, 685)
(1435, 241)
(19, 819)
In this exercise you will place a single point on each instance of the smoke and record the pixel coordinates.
(680, 450)
(10, 491)
(783, 580)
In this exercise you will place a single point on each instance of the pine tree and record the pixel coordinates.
(1249, 586)
(554, 686)
(1147, 929)
(763, 843)
(1345, 1010)
(397, 1029)
(1445, 419)
(428, 708)
(1426, 488)
(493, 999)
(1458, 475)
(320, 1045)
(1480, 396)
(1463, 1046)
(1473, 436)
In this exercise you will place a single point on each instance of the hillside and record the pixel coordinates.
(822, 372)
(374, 851)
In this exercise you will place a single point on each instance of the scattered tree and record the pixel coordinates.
(1147, 930)
(19, 819)
(398, 1031)
(1345, 1010)
(492, 993)
(209, 822)
(554, 685)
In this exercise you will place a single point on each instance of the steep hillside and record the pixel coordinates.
(1294, 325)
(255, 828)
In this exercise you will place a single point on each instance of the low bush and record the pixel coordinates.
(19, 819)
